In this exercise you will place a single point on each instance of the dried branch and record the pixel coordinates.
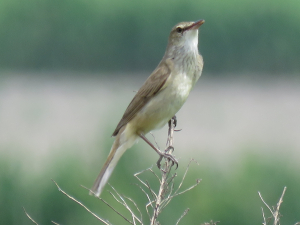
(137, 208)
(30, 217)
(166, 192)
(157, 200)
(275, 211)
(183, 215)
(154, 139)
(124, 203)
(211, 223)
(145, 183)
(75, 200)
(54, 223)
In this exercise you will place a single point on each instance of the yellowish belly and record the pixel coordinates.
(162, 107)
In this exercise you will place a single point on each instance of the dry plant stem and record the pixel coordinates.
(154, 140)
(75, 200)
(263, 214)
(137, 208)
(165, 170)
(211, 223)
(54, 223)
(146, 185)
(123, 202)
(30, 217)
(150, 201)
(197, 181)
(275, 212)
(116, 210)
(184, 213)
(166, 190)
(157, 201)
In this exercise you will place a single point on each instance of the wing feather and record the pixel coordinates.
(155, 83)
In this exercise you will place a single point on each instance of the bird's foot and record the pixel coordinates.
(168, 156)
(174, 119)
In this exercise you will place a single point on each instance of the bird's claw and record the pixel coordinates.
(169, 157)
(174, 121)
(169, 149)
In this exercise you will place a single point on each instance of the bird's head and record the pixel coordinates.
(184, 35)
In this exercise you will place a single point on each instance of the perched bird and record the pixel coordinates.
(160, 97)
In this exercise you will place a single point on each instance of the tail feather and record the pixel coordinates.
(120, 145)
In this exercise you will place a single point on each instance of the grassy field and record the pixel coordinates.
(243, 132)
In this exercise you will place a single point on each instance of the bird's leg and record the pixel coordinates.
(174, 119)
(161, 154)
(172, 124)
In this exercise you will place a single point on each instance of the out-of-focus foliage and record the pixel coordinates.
(102, 35)
(230, 197)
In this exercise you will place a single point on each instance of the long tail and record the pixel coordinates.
(120, 145)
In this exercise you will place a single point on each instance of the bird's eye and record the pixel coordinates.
(179, 29)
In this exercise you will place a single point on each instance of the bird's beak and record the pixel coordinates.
(195, 25)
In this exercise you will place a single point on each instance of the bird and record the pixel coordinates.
(159, 98)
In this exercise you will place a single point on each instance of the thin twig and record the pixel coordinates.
(166, 190)
(126, 206)
(139, 173)
(184, 213)
(54, 223)
(124, 203)
(188, 189)
(275, 212)
(154, 196)
(171, 179)
(30, 217)
(75, 200)
(154, 139)
(148, 197)
(150, 169)
(106, 203)
(265, 222)
(166, 187)
(146, 184)
(137, 208)
(119, 212)
(261, 198)
(183, 178)
(211, 223)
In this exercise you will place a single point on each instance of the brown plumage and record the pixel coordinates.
(159, 98)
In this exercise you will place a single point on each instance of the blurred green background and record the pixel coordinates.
(68, 69)
(115, 35)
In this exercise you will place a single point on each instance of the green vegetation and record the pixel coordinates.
(115, 35)
(230, 197)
